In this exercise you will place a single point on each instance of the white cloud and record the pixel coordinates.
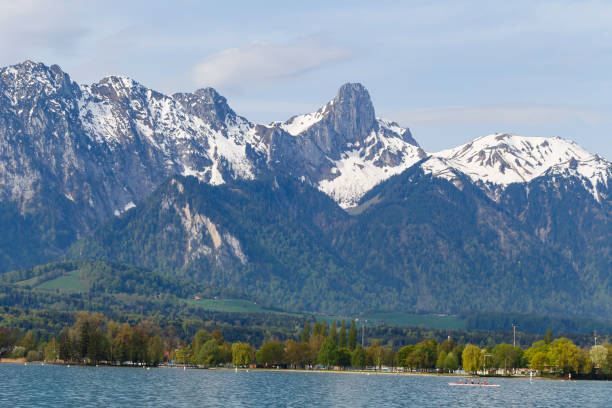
(262, 62)
(37, 29)
(502, 114)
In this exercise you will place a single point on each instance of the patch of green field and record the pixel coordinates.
(66, 283)
(229, 305)
(402, 319)
(29, 282)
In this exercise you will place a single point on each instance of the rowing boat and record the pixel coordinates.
(475, 385)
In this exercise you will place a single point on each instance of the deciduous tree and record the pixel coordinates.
(328, 355)
(472, 358)
(271, 353)
(358, 357)
(242, 354)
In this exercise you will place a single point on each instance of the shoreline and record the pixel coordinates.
(368, 372)
(301, 370)
(21, 360)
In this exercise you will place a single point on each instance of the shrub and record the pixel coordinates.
(18, 352)
(33, 355)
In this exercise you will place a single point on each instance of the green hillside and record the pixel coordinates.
(418, 245)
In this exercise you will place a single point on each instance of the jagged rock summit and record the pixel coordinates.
(358, 150)
(347, 120)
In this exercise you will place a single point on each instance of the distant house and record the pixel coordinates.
(196, 298)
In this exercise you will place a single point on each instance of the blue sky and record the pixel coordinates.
(449, 70)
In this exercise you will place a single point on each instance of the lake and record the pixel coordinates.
(60, 386)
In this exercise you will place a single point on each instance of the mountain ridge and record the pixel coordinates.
(508, 222)
(342, 148)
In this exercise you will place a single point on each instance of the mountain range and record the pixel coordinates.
(335, 210)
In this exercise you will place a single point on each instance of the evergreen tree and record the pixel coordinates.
(96, 346)
(306, 333)
(84, 339)
(342, 340)
(319, 329)
(333, 333)
(352, 336)
(65, 346)
(548, 337)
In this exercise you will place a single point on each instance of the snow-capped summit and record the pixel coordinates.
(346, 120)
(503, 158)
(358, 150)
(498, 160)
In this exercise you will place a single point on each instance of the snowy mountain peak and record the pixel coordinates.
(351, 113)
(30, 80)
(350, 149)
(504, 158)
(495, 161)
(118, 126)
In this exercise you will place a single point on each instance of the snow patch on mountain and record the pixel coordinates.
(300, 123)
(117, 110)
(497, 160)
(363, 167)
(503, 159)
(594, 172)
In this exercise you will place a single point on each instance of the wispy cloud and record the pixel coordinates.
(36, 28)
(502, 114)
(262, 62)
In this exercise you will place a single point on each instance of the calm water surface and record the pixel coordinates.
(59, 386)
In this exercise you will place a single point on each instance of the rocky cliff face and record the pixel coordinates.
(106, 146)
(350, 150)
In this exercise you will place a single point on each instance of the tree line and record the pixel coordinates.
(93, 339)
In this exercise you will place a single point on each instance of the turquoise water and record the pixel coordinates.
(59, 386)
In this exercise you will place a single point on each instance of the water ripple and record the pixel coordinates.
(60, 386)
